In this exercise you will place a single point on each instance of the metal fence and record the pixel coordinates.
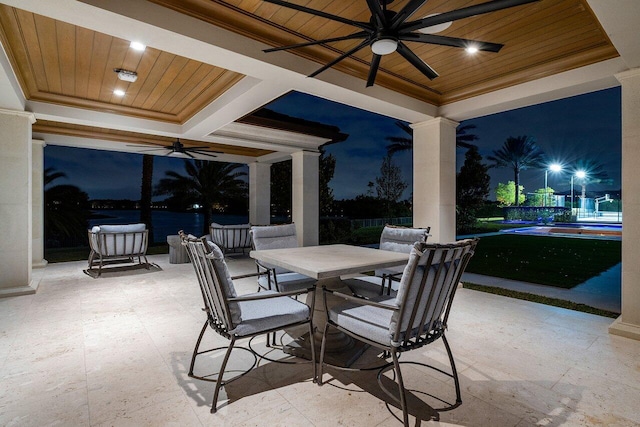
(379, 222)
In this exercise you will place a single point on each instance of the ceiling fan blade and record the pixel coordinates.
(377, 12)
(422, 66)
(202, 153)
(451, 41)
(465, 12)
(373, 70)
(406, 12)
(340, 58)
(186, 153)
(363, 25)
(358, 35)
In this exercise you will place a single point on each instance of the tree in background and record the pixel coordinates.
(539, 197)
(472, 188)
(505, 194)
(66, 212)
(464, 139)
(327, 170)
(146, 191)
(518, 153)
(281, 185)
(389, 185)
(209, 184)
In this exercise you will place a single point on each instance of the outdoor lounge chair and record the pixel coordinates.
(415, 317)
(235, 317)
(395, 239)
(117, 244)
(231, 238)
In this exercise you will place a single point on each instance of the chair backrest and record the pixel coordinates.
(426, 291)
(231, 236)
(274, 237)
(402, 239)
(215, 283)
(119, 240)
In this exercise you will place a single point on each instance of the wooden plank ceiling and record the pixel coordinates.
(135, 138)
(541, 39)
(60, 63)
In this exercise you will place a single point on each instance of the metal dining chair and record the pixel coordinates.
(415, 317)
(394, 239)
(236, 317)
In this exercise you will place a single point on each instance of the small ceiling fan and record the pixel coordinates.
(387, 31)
(178, 148)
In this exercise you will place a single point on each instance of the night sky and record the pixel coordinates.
(586, 126)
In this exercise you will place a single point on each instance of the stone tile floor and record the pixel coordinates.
(115, 351)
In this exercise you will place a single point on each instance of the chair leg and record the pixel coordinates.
(403, 398)
(322, 348)
(214, 404)
(313, 352)
(195, 350)
(453, 369)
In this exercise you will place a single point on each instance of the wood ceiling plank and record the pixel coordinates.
(165, 82)
(99, 56)
(46, 29)
(84, 46)
(151, 80)
(148, 60)
(110, 81)
(184, 96)
(66, 40)
(27, 24)
(170, 96)
(11, 39)
(203, 93)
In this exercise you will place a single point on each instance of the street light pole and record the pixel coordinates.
(554, 168)
(571, 194)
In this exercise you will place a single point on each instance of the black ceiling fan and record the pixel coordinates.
(387, 31)
(179, 148)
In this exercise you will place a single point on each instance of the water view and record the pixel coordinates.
(164, 222)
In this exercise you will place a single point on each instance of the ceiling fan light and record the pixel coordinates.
(384, 46)
(434, 29)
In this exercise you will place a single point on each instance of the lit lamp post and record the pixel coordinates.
(578, 174)
(553, 168)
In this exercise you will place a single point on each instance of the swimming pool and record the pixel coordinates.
(591, 231)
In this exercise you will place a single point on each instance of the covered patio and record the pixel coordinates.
(83, 351)
(114, 351)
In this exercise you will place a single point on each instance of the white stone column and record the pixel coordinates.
(260, 193)
(37, 203)
(628, 324)
(434, 178)
(306, 196)
(15, 203)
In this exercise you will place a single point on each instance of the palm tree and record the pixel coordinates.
(66, 212)
(206, 183)
(518, 153)
(594, 174)
(403, 143)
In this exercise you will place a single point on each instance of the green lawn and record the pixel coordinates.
(553, 261)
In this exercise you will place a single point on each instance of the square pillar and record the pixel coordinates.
(434, 178)
(305, 213)
(260, 193)
(37, 203)
(628, 324)
(16, 203)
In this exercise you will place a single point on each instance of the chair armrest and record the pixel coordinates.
(267, 296)
(360, 301)
(264, 267)
(244, 276)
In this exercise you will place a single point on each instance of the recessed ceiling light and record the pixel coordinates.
(471, 49)
(137, 46)
(118, 92)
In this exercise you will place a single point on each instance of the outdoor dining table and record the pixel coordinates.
(329, 264)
